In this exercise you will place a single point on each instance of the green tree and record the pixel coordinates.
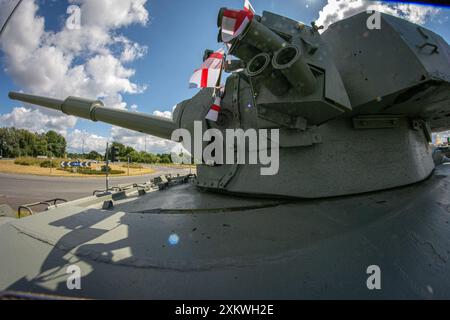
(135, 156)
(124, 151)
(94, 155)
(56, 143)
(17, 142)
(164, 158)
(40, 145)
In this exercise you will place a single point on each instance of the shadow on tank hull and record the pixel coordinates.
(304, 249)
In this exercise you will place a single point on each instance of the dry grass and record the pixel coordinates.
(8, 166)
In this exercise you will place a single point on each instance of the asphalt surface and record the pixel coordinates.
(16, 190)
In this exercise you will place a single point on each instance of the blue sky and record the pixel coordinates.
(176, 34)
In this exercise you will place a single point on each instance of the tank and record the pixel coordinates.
(349, 115)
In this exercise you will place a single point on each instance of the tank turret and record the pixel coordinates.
(351, 117)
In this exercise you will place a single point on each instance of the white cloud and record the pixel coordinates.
(164, 114)
(140, 141)
(112, 14)
(131, 50)
(79, 141)
(87, 62)
(336, 10)
(36, 121)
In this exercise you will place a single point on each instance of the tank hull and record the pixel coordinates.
(238, 248)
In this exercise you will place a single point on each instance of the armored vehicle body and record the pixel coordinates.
(356, 185)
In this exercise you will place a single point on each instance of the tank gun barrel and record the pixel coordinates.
(95, 110)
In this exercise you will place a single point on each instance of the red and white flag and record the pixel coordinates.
(234, 22)
(207, 76)
(213, 113)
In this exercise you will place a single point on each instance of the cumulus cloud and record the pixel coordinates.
(131, 50)
(112, 14)
(35, 120)
(336, 10)
(85, 62)
(164, 114)
(140, 141)
(82, 141)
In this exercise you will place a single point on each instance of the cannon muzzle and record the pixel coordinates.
(95, 111)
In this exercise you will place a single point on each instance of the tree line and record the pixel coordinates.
(23, 143)
(123, 154)
(126, 152)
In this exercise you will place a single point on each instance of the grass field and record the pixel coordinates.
(8, 166)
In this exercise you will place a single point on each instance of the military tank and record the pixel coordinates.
(356, 188)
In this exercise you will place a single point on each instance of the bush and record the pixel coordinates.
(27, 161)
(22, 163)
(49, 164)
(110, 171)
(43, 163)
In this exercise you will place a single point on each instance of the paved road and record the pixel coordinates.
(21, 189)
